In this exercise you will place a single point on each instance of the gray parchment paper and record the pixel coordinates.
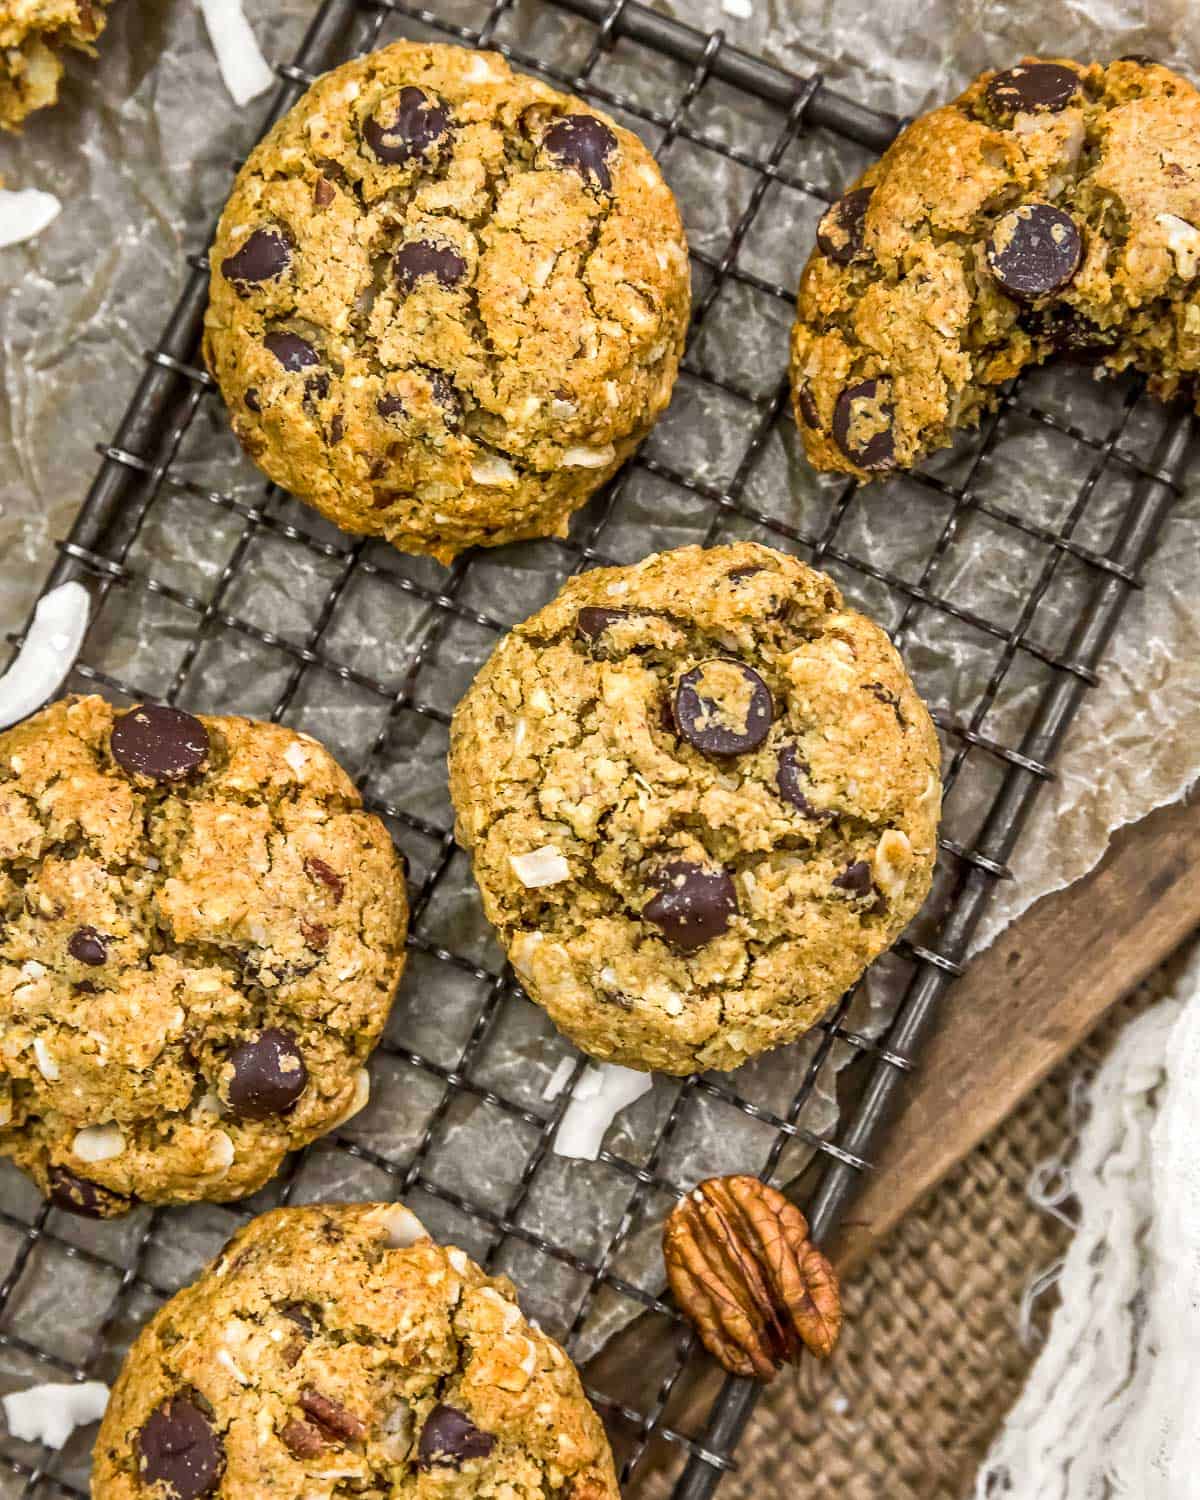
(140, 153)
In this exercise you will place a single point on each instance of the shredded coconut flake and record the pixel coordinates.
(222, 1152)
(50, 648)
(239, 57)
(225, 1358)
(24, 213)
(493, 471)
(740, 10)
(401, 1227)
(49, 1414)
(47, 1066)
(589, 458)
(599, 1097)
(98, 1142)
(545, 866)
(559, 1079)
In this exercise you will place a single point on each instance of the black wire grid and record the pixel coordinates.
(1109, 464)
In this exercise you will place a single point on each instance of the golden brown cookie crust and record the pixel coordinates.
(313, 1355)
(906, 334)
(155, 932)
(575, 789)
(490, 330)
(33, 33)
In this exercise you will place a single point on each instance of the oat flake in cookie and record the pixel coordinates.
(447, 301)
(200, 934)
(701, 795)
(1052, 209)
(337, 1350)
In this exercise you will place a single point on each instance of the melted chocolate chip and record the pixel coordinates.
(337, 429)
(862, 425)
(840, 231)
(179, 1449)
(584, 143)
(593, 620)
(723, 707)
(1034, 250)
(76, 1195)
(877, 690)
(269, 1075)
(855, 879)
(316, 387)
(1074, 337)
(421, 259)
(265, 256)
(407, 125)
(390, 406)
(86, 946)
(292, 352)
(445, 395)
(807, 403)
(735, 575)
(1048, 87)
(694, 904)
(450, 1439)
(251, 399)
(162, 743)
(791, 777)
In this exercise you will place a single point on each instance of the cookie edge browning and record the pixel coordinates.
(546, 507)
(774, 1028)
(48, 1171)
(115, 1461)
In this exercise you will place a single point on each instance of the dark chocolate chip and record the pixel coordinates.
(406, 125)
(316, 387)
(723, 707)
(694, 904)
(862, 425)
(791, 777)
(292, 352)
(1073, 336)
(450, 1439)
(421, 258)
(265, 255)
(445, 395)
(332, 1415)
(179, 1449)
(86, 946)
(252, 401)
(593, 620)
(1033, 86)
(585, 143)
(840, 231)
(296, 1312)
(390, 406)
(807, 403)
(162, 743)
(735, 575)
(855, 879)
(877, 690)
(268, 1075)
(76, 1195)
(1034, 250)
(337, 429)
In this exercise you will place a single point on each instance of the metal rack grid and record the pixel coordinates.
(143, 472)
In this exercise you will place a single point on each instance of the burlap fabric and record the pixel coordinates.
(934, 1348)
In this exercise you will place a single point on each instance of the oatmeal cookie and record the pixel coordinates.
(337, 1350)
(701, 795)
(202, 931)
(447, 302)
(33, 33)
(1053, 208)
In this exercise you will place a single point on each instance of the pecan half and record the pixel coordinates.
(303, 1440)
(332, 1415)
(744, 1271)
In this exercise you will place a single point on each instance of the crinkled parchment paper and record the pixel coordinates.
(140, 153)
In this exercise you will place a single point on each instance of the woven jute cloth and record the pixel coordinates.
(934, 1347)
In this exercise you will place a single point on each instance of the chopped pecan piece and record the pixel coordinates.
(743, 1269)
(332, 1415)
(303, 1439)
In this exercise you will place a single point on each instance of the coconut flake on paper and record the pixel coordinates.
(599, 1097)
(243, 67)
(24, 213)
(49, 1414)
(48, 654)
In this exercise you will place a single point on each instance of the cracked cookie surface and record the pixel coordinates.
(1052, 209)
(447, 301)
(201, 932)
(331, 1351)
(33, 34)
(700, 795)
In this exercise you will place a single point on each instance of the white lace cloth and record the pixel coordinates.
(1112, 1407)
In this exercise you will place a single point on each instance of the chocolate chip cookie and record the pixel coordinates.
(33, 34)
(447, 301)
(1052, 209)
(200, 934)
(338, 1350)
(701, 795)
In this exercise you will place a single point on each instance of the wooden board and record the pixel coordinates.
(1027, 1002)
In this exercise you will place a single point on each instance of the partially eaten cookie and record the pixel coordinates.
(33, 36)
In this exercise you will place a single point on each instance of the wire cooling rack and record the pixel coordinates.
(783, 146)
